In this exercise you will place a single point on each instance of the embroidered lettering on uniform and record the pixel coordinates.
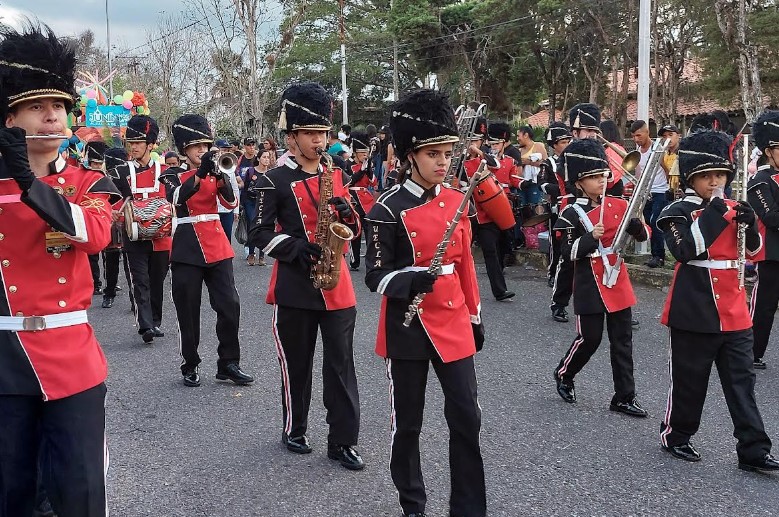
(378, 254)
(675, 232)
(762, 201)
(378, 263)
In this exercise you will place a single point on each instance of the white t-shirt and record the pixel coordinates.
(660, 182)
(231, 178)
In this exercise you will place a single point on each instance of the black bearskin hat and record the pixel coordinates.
(479, 130)
(114, 157)
(765, 130)
(583, 158)
(557, 131)
(191, 129)
(305, 105)
(421, 118)
(360, 141)
(34, 64)
(584, 116)
(142, 128)
(498, 132)
(94, 151)
(704, 151)
(716, 120)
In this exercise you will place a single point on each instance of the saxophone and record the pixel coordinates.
(330, 235)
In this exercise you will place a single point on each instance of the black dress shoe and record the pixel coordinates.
(108, 302)
(759, 364)
(565, 389)
(158, 332)
(233, 372)
(632, 408)
(684, 451)
(346, 456)
(298, 444)
(765, 464)
(560, 314)
(354, 266)
(505, 296)
(147, 335)
(97, 292)
(655, 262)
(191, 378)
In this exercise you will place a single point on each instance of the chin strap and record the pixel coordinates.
(295, 137)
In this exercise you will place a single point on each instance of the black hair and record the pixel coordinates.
(528, 130)
(635, 126)
(611, 132)
(370, 130)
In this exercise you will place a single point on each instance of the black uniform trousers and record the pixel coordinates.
(295, 331)
(562, 289)
(94, 266)
(492, 243)
(692, 354)
(765, 299)
(111, 259)
(408, 381)
(187, 286)
(554, 249)
(590, 334)
(147, 274)
(356, 244)
(65, 439)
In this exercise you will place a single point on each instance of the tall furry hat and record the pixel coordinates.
(479, 130)
(115, 157)
(557, 131)
(584, 115)
(498, 131)
(305, 105)
(94, 151)
(142, 128)
(765, 130)
(360, 141)
(34, 64)
(191, 129)
(421, 118)
(704, 151)
(583, 158)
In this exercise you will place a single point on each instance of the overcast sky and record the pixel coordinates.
(129, 19)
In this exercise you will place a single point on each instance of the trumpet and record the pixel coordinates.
(226, 162)
(629, 160)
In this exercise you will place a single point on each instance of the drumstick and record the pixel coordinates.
(603, 201)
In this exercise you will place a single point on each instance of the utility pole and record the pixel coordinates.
(644, 21)
(108, 46)
(395, 77)
(344, 91)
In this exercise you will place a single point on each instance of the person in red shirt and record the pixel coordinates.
(362, 181)
(52, 216)
(404, 229)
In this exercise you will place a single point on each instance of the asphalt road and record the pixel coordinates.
(215, 450)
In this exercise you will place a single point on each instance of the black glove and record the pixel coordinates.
(422, 282)
(357, 176)
(526, 184)
(13, 148)
(744, 213)
(341, 206)
(207, 165)
(478, 335)
(307, 252)
(718, 205)
(635, 226)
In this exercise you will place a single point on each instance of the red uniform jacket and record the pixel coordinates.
(361, 196)
(590, 296)
(202, 241)
(403, 232)
(287, 210)
(705, 299)
(45, 237)
(147, 185)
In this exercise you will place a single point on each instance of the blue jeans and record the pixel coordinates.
(227, 218)
(652, 209)
(378, 169)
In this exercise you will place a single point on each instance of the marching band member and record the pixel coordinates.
(52, 369)
(115, 157)
(362, 178)
(589, 225)
(584, 120)
(148, 260)
(94, 158)
(763, 196)
(201, 252)
(288, 206)
(552, 183)
(706, 310)
(404, 229)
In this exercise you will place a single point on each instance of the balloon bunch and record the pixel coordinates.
(93, 92)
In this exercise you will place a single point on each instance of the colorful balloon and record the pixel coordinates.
(127, 104)
(154, 155)
(118, 99)
(91, 94)
(128, 95)
(92, 103)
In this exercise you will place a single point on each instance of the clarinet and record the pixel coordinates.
(741, 235)
(435, 264)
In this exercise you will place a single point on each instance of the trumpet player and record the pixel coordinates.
(706, 310)
(362, 178)
(404, 229)
(201, 252)
(296, 204)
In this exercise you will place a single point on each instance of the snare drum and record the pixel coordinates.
(148, 219)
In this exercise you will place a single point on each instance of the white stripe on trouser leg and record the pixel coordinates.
(284, 372)
(106, 461)
(393, 417)
(576, 344)
(753, 299)
(669, 403)
(131, 287)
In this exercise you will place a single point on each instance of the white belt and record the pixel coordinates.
(714, 264)
(202, 218)
(505, 185)
(446, 269)
(34, 323)
(358, 188)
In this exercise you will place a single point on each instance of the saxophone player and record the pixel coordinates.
(291, 199)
